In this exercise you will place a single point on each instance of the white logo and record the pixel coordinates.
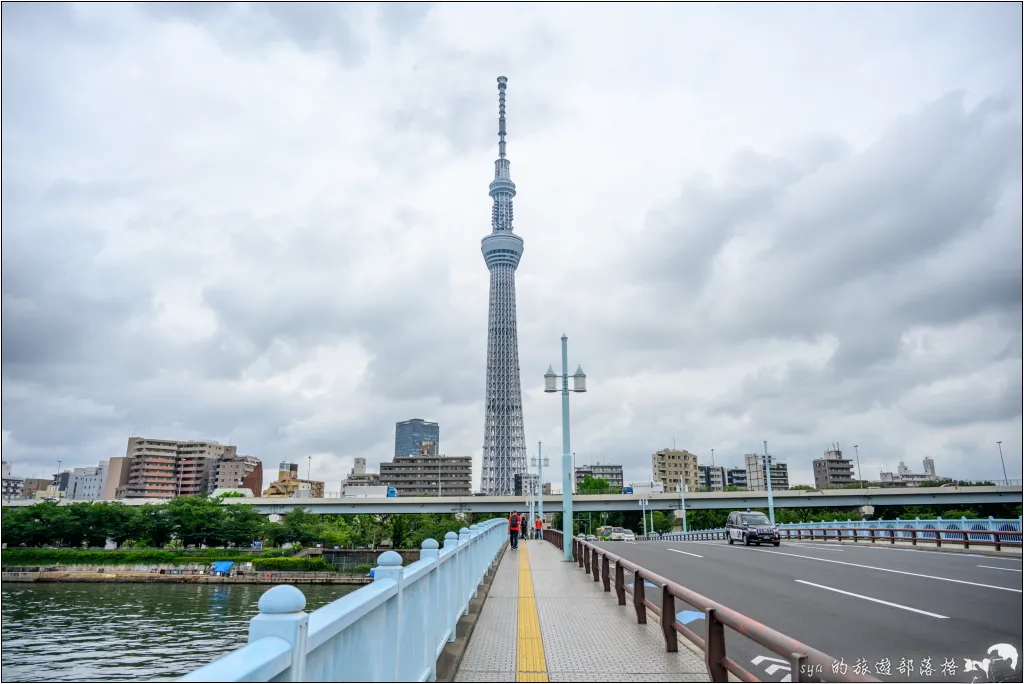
(1000, 668)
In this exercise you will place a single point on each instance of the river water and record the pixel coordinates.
(127, 632)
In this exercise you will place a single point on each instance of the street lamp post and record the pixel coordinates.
(1000, 445)
(682, 500)
(860, 475)
(768, 478)
(643, 513)
(579, 385)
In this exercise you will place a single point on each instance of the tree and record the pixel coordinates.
(197, 520)
(593, 485)
(150, 525)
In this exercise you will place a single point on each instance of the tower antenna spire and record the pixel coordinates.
(502, 85)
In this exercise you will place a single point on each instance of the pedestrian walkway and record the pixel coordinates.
(544, 620)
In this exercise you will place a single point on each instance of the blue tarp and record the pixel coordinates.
(222, 566)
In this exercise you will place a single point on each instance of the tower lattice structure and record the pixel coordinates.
(504, 440)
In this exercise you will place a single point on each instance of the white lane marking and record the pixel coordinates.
(898, 572)
(874, 600)
(993, 567)
(814, 546)
(760, 659)
(686, 552)
(775, 668)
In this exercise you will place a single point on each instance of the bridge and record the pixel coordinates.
(685, 608)
(790, 498)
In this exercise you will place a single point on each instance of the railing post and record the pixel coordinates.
(620, 583)
(996, 538)
(389, 567)
(714, 648)
(913, 536)
(593, 564)
(465, 570)
(668, 618)
(474, 548)
(604, 572)
(638, 598)
(431, 631)
(282, 614)
(451, 576)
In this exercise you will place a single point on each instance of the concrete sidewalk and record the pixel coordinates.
(545, 620)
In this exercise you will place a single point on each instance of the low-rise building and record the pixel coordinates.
(359, 476)
(238, 472)
(736, 477)
(288, 484)
(32, 485)
(904, 478)
(87, 484)
(12, 486)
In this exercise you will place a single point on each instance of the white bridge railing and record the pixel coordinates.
(392, 630)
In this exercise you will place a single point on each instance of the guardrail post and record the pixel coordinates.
(620, 583)
(995, 540)
(451, 576)
(593, 564)
(913, 536)
(474, 548)
(465, 569)
(580, 551)
(668, 618)
(389, 567)
(282, 614)
(714, 648)
(586, 559)
(428, 551)
(604, 572)
(638, 598)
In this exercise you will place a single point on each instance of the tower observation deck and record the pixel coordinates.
(504, 452)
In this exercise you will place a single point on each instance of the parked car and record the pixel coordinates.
(751, 528)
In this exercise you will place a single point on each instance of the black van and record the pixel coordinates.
(751, 527)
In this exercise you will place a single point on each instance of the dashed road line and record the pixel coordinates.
(874, 600)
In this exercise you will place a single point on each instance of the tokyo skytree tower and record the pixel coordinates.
(504, 441)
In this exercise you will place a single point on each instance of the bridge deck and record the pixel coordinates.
(543, 620)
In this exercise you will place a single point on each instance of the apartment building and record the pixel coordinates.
(87, 484)
(610, 473)
(669, 465)
(288, 484)
(163, 469)
(756, 481)
(427, 474)
(31, 485)
(238, 472)
(833, 471)
(736, 477)
(116, 481)
(712, 478)
(903, 477)
(359, 477)
(12, 486)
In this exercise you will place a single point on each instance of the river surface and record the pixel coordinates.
(127, 632)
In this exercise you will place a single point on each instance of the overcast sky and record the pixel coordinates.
(261, 225)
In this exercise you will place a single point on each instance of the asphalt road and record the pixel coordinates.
(899, 604)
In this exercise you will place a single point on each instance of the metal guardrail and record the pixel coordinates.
(997, 539)
(946, 528)
(392, 630)
(611, 569)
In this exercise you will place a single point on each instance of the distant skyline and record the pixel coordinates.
(261, 224)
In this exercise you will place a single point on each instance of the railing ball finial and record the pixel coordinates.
(390, 559)
(283, 598)
(464, 530)
(429, 543)
(450, 535)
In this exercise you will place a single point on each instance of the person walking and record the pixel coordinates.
(513, 529)
(537, 527)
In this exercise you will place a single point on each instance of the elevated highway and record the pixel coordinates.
(827, 498)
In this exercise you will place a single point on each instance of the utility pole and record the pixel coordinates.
(768, 476)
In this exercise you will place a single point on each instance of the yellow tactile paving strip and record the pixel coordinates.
(531, 665)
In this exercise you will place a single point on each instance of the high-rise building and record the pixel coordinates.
(736, 477)
(118, 470)
(87, 484)
(755, 474)
(504, 448)
(669, 465)
(427, 474)
(163, 468)
(409, 434)
(237, 472)
(833, 471)
(712, 478)
(612, 474)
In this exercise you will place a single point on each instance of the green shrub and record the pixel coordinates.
(293, 564)
(361, 569)
(131, 557)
